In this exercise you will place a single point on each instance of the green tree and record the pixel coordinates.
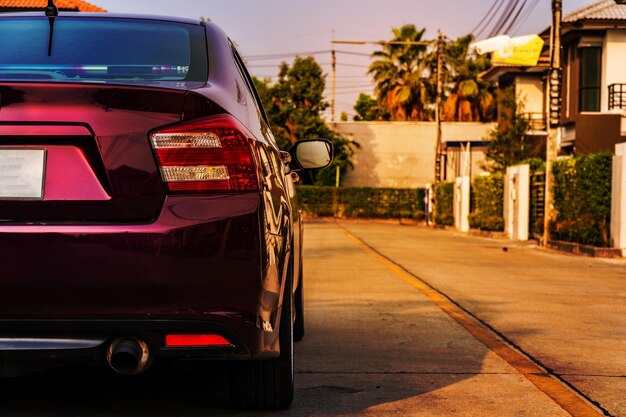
(399, 72)
(367, 108)
(507, 140)
(294, 106)
(469, 98)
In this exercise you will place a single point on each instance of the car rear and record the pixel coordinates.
(130, 207)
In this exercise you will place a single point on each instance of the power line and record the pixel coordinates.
(493, 5)
(508, 28)
(493, 16)
(269, 57)
(354, 53)
(263, 65)
(268, 38)
(283, 55)
(504, 18)
(352, 65)
(529, 12)
(353, 33)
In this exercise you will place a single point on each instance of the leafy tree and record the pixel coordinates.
(399, 73)
(367, 108)
(294, 106)
(405, 77)
(507, 141)
(343, 117)
(294, 103)
(468, 97)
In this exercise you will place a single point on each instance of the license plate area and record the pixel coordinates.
(22, 173)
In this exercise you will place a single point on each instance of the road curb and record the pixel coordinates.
(584, 250)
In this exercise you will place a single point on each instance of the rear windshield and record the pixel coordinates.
(101, 50)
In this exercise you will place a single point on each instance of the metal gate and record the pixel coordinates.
(537, 200)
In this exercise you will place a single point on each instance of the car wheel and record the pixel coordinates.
(268, 384)
(298, 325)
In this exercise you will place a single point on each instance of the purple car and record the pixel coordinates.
(146, 211)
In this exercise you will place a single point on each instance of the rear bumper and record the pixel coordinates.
(197, 267)
(58, 339)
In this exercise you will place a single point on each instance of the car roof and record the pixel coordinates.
(107, 15)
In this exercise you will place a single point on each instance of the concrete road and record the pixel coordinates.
(566, 312)
(381, 342)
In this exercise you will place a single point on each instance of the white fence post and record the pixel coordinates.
(509, 198)
(461, 203)
(517, 201)
(428, 202)
(618, 199)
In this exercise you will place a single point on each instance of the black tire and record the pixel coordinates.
(298, 298)
(268, 384)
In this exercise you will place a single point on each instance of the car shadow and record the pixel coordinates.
(343, 367)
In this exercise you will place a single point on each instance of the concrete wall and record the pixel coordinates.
(529, 89)
(613, 63)
(401, 154)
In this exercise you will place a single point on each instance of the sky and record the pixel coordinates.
(286, 27)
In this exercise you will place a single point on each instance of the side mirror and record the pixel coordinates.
(311, 154)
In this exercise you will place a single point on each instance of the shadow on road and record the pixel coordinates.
(76, 391)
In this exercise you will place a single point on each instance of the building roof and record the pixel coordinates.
(600, 10)
(70, 5)
(494, 73)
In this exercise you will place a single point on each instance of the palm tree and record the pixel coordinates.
(398, 71)
(468, 97)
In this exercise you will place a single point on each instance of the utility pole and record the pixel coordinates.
(333, 79)
(439, 147)
(553, 88)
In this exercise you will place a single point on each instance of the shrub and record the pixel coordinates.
(488, 197)
(582, 199)
(318, 201)
(443, 212)
(363, 202)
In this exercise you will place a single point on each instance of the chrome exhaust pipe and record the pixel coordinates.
(128, 356)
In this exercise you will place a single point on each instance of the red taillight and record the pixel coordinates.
(208, 154)
(196, 340)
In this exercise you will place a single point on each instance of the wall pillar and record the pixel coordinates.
(517, 201)
(461, 203)
(618, 199)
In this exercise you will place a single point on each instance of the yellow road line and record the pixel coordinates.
(557, 390)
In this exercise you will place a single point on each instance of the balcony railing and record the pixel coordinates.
(617, 96)
(536, 122)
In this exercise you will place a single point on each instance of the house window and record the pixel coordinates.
(590, 78)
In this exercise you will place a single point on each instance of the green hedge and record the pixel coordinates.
(318, 201)
(582, 198)
(488, 198)
(363, 202)
(443, 212)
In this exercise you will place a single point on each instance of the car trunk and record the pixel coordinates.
(99, 166)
